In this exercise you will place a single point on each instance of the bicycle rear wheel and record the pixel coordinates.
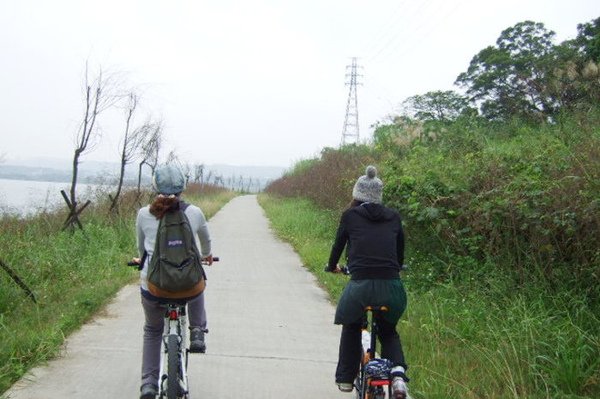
(172, 367)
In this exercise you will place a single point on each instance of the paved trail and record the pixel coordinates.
(271, 332)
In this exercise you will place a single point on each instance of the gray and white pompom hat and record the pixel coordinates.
(368, 188)
(168, 180)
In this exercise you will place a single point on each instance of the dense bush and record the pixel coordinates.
(521, 198)
(327, 180)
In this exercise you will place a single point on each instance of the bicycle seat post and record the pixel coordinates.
(375, 313)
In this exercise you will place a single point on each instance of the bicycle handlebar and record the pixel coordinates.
(344, 270)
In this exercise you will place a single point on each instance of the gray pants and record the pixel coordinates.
(153, 330)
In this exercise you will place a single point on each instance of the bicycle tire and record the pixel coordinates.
(173, 367)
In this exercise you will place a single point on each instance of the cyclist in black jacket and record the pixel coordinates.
(374, 240)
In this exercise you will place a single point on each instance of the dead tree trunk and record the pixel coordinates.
(97, 99)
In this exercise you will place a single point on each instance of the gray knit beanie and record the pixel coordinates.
(368, 188)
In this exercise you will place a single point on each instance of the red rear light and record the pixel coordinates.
(173, 315)
(377, 383)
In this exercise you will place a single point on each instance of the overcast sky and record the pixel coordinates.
(254, 82)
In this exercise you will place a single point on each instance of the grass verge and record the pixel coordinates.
(72, 275)
(478, 341)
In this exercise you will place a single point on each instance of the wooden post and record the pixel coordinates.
(73, 217)
(18, 280)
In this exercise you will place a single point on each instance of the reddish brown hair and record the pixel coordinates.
(163, 204)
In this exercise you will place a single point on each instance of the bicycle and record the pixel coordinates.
(375, 377)
(374, 373)
(173, 379)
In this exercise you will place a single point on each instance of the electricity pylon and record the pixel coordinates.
(350, 132)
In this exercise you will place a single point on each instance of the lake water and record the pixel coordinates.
(27, 197)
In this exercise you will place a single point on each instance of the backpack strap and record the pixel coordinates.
(183, 205)
(144, 256)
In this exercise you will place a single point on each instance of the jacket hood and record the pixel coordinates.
(374, 212)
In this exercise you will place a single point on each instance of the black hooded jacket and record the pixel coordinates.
(375, 241)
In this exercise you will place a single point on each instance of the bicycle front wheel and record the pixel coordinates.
(172, 367)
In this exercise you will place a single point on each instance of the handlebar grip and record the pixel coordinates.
(215, 258)
(344, 270)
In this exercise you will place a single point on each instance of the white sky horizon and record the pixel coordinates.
(258, 82)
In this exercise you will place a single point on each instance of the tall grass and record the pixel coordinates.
(468, 343)
(72, 275)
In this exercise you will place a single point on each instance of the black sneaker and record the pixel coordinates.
(197, 344)
(148, 391)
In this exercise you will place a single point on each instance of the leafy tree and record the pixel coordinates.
(510, 79)
(441, 106)
(575, 81)
(588, 39)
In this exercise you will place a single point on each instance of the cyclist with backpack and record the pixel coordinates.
(374, 240)
(169, 182)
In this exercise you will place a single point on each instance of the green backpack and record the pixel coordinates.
(176, 264)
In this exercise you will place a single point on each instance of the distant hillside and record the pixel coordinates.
(250, 178)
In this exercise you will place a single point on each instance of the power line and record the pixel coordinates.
(386, 28)
(393, 30)
(351, 131)
(419, 32)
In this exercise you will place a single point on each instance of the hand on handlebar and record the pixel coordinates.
(208, 259)
(134, 262)
(338, 269)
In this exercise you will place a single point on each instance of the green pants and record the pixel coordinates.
(361, 293)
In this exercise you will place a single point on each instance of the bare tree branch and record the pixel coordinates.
(173, 158)
(150, 149)
(199, 173)
(99, 95)
(131, 142)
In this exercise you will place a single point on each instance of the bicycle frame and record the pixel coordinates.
(173, 382)
(368, 387)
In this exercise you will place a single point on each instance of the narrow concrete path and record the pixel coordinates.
(271, 332)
